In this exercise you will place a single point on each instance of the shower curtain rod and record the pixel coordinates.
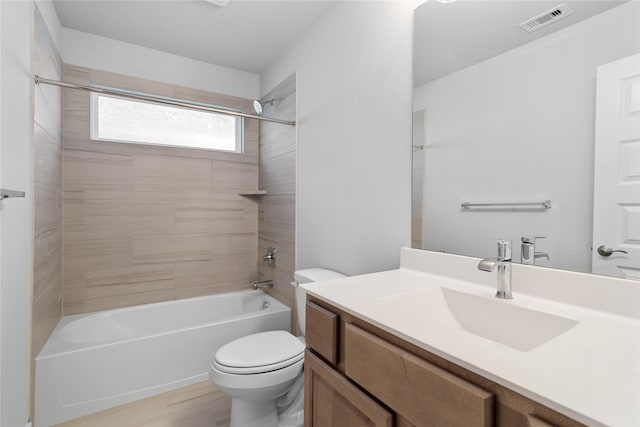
(176, 103)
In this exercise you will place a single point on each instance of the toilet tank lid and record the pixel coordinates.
(316, 275)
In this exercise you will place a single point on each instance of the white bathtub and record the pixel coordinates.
(100, 360)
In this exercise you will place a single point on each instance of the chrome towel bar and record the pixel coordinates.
(545, 204)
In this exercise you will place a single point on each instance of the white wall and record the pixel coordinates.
(520, 127)
(16, 215)
(354, 135)
(91, 51)
(50, 16)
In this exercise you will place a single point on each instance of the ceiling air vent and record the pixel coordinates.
(546, 18)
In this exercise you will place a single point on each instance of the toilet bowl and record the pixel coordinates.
(258, 370)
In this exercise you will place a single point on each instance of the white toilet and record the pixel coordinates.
(263, 372)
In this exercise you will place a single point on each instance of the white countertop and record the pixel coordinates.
(590, 373)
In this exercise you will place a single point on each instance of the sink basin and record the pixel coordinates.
(500, 321)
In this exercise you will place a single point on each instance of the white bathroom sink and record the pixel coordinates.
(503, 322)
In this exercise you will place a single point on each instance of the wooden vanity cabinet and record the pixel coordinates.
(359, 375)
(332, 400)
(423, 393)
(322, 331)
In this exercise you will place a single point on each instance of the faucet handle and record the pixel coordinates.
(531, 239)
(504, 249)
(528, 255)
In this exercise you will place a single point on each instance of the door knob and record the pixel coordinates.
(605, 250)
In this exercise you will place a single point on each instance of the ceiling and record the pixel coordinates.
(245, 35)
(451, 36)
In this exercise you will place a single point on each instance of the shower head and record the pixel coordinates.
(257, 105)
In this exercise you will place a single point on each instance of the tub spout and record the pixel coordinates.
(262, 284)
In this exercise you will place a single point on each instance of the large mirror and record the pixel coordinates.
(527, 124)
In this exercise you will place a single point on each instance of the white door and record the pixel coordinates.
(616, 202)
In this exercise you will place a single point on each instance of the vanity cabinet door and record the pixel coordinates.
(331, 400)
(422, 393)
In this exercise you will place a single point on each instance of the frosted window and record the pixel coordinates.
(139, 122)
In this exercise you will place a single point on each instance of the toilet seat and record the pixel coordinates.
(259, 353)
(257, 369)
(254, 382)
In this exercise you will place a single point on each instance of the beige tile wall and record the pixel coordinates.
(144, 223)
(47, 126)
(278, 178)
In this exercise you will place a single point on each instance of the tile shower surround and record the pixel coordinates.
(277, 175)
(145, 223)
(47, 255)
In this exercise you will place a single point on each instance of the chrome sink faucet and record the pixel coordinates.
(528, 254)
(503, 263)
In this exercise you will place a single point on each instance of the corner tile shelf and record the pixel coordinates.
(253, 193)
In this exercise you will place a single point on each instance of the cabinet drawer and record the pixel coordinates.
(421, 392)
(322, 331)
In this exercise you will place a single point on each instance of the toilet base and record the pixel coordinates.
(253, 414)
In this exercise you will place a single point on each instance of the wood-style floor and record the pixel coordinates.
(198, 405)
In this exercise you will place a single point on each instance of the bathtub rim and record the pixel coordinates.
(47, 352)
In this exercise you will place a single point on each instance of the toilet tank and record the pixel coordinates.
(307, 276)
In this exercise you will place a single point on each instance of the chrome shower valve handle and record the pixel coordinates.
(270, 257)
